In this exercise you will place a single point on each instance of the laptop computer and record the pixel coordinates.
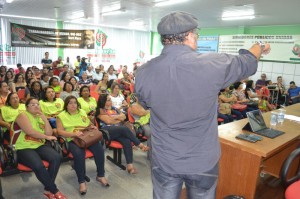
(258, 125)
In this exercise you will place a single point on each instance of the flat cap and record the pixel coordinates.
(177, 22)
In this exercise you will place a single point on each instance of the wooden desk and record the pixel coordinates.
(241, 162)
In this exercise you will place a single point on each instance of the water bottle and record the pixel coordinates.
(273, 120)
(280, 117)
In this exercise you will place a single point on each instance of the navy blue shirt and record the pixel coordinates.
(181, 89)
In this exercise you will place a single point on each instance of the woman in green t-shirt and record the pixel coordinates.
(69, 123)
(87, 103)
(9, 112)
(31, 148)
(51, 106)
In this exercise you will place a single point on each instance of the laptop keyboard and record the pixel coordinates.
(270, 133)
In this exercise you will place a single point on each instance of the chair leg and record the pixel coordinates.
(117, 158)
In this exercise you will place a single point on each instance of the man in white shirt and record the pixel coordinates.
(97, 76)
(111, 74)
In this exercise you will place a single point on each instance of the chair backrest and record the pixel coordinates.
(14, 132)
(131, 88)
(94, 95)
(286, 166)
(21, 94)
(93, 87)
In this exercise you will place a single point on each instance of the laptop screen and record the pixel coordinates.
(256, 120)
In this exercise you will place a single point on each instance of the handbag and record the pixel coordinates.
(130, 126)
(239, 106)
(90, 136)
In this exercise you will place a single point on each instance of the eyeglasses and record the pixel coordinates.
(33, 104)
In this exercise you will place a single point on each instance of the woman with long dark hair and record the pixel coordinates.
(110, 119)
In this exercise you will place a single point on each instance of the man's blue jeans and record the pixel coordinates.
(198, 186)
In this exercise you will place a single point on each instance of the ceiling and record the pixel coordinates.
(209, 12)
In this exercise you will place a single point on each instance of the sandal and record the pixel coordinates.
(59, 195)
(83, 190)
(103, 181)
(49, 195)
(143, 147)
(132, 170)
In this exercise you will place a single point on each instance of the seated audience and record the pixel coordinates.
(87, 103)
(9, 79)
(84, 80)
(69, 123)
(294, 93)
(118, 100)
(19, 82)
(51, 106)
(45, 80)
(125, 84)
(9, 112)
(110, 119)
(261, 82)
(74, 82)
(111, 74)
(282, 92)
(97, 75)
(28, 75)
(54, 83)
(4, 91)
(35, 91)
(227, 97)
(67, 91)
(65, 77)
(239, 92)
(102, 83)
(31, 147)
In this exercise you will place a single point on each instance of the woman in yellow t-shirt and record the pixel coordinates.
(87, 103)
(68, 123)
(51, 106)
(9, 112)
(31, 148)
(54, 83)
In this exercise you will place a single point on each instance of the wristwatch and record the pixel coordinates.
(262, 45)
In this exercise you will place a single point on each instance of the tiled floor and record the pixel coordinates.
(123, 185)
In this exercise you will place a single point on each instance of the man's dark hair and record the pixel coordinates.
(19, 65)
(292, 82)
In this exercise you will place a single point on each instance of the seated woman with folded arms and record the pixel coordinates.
(51, 106)
(111, 120)
(68, 123)
(241, 97)
(102, 83)
(226, 96)
(9, 112)
(31, 148)
(87, 103)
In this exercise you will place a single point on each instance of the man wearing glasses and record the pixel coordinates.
(181, 87)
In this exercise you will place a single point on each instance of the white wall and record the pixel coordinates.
(289, 72)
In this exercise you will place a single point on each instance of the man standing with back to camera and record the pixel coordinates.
(181, 89)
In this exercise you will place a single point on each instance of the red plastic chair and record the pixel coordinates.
(113, 145)
(21, 94)
(93, 87)
(293, 183)
(94, 95)
(131, 88)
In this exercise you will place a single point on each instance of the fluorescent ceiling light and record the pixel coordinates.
(26, 17)
(114, 12)
(136, 23)
(9, 1)
(238, 14)
(238, 18)
(160, 3)
(112, 7)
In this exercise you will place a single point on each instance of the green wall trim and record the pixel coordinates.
(60, 51)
